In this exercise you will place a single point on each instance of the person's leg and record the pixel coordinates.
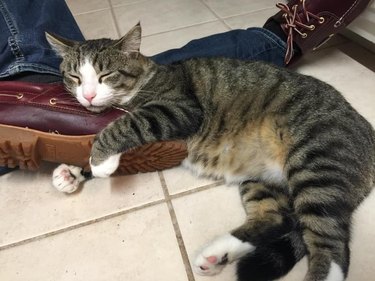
(25, 54)
(250, 44)
(22, 35)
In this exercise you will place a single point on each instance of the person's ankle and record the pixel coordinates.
(273, 26)
(308, 24)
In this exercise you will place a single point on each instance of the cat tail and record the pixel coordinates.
(272, 260)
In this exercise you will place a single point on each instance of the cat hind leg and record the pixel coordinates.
(221, 251)
(325, 223)
(267, 218)
(272, 259)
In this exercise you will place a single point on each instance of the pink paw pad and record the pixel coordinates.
(212, 259)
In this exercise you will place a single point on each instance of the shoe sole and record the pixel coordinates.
(27, 148)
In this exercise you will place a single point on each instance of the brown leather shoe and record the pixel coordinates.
(42, 122)
(311, 23)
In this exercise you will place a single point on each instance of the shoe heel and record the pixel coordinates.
(16, 152)
(27, 148)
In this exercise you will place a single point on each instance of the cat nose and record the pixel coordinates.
(89, 96)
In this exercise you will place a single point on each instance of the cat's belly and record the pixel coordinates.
(235, 165)
(268, 172)
(255, 151)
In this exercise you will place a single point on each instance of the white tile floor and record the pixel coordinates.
(147, 226)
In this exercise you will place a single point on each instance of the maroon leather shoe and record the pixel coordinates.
(49, 108)
(42, 122)
(311, 23)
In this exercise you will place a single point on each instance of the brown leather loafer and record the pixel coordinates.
(42, 122)
(311, 23)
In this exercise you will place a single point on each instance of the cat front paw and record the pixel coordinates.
(66, 178)
(105, 168)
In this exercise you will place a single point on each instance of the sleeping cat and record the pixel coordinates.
(303, 158)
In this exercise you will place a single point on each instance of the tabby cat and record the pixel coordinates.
(303, 158)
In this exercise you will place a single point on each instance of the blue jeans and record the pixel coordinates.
(22, 40)
(250, 44)
(23, 47)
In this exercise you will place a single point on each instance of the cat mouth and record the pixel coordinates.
(96, 109)
(96, 106)
(91, 107)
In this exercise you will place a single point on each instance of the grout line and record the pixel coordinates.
(180, 28)
(128, 4)
(197, 189)
(82, 224)
(222, 19)
(215, 14)
(113, 215)
(91, 11)
(114, 20)
(249, 13)
(176, 227)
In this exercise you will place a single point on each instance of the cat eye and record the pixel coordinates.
(75, 78)
(101, 77)
(128, 74)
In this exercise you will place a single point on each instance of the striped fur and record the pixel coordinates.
(301, 155)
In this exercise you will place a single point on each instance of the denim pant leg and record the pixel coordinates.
(250, 44)
(23, 46)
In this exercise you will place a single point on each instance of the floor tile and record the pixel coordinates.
(170, 15)
(353, 80)
(84, 6)
(138, 246)
(92, 29)
(155, 44)
(181, 179)
(254, 19)
(30, 206)
(204, 215)
(298, 272)
(224, 8)
(125, 2)
(363, 246)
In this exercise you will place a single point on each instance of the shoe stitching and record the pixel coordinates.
(349, 11)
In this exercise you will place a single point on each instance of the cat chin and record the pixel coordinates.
(96, 109)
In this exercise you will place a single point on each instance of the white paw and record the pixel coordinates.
(67, 178)
(218, 253)
(335, 273)
(107, 167)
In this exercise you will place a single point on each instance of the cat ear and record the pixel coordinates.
(59, 44)
(131, 41)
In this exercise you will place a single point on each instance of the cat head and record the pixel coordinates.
(103, 72)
